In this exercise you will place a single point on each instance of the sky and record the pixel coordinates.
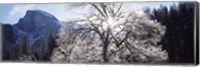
(11, 13)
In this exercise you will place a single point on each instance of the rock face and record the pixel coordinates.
(36, 25)
(37, 21)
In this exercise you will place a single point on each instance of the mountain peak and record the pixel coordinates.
(39, 12)
(37, 24)
(34, 19)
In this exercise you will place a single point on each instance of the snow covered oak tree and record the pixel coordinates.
(110, 33)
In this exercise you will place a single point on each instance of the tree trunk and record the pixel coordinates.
(105, 49)
(105, 46)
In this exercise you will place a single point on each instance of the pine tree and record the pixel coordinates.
(51, 44)
(25, 53)
(179, 38)
(43, 51)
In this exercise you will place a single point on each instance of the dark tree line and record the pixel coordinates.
(8, 41)
(24, 51)
(179, 37)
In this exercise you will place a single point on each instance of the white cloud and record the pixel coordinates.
(19, 10)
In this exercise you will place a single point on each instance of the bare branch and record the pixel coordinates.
(124, 39)
(118, 9)
(95, 6)
(103, 7)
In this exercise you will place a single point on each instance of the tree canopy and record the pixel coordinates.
(110, 33)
